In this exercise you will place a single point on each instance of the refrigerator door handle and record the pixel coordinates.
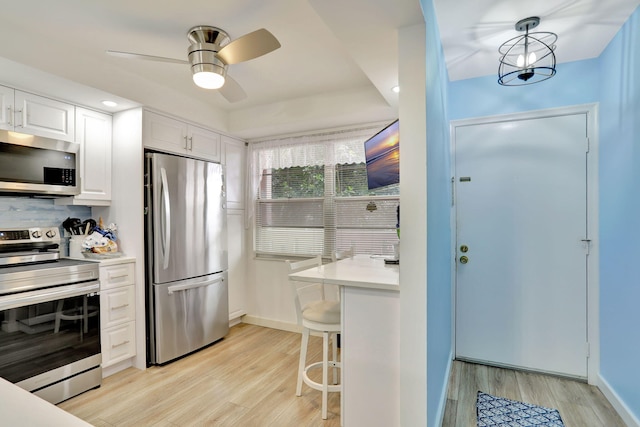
(177, 288)
(166, 236)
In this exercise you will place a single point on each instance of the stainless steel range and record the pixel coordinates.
(50, 313)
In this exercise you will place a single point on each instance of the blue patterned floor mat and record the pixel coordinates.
(495, 411)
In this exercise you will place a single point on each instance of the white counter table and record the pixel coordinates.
(370, 340)
(18, 407)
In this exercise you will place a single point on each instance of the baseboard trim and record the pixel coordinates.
(445, 392)
(618, 404)
(235, 318)
(274, 324)
(120, 366)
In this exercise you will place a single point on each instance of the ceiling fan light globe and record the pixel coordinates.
(208, 80)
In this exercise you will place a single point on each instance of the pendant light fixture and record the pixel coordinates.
(528, 58)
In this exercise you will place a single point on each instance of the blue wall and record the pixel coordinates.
(574, 83)
(439, 346)
(612, 80)
(33, 212)
(620, 213)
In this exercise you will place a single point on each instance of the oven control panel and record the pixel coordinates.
(27, 235)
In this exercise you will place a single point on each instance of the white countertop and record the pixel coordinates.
(361, 271)
(18, 407)
(107, 261)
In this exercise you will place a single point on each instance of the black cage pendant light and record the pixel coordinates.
(528, 58)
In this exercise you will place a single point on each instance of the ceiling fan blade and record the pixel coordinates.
(232, 91)
(249, 46)
(145, 57)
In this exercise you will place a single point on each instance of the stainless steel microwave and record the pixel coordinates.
(36, 165)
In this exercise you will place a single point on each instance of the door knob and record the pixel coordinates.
(464, 260)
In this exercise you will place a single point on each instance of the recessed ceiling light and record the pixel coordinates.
(396, 89)
(109, 104)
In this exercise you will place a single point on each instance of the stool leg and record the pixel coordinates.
(56, 327)
(325, 372)
(335, 358)
(303, 359)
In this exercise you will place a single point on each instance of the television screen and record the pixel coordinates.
(382, 152)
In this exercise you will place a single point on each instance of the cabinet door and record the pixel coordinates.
(118, 344)
(117, 306)
(37, 115)
(237, 265)
(234, 161)
(117, 275)
(93, 132)
(164, 133)
(204, 144)
(6, 108)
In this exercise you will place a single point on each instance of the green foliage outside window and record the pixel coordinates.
(308, 181)
(297, 182)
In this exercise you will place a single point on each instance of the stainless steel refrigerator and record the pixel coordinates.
(186, 255)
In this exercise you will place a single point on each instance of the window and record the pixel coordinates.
(311, 197)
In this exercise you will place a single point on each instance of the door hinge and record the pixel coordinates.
(588, 144)
(586, 243)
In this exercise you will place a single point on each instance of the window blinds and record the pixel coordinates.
(311, 197)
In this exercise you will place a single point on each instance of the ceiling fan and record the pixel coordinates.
(210, 54)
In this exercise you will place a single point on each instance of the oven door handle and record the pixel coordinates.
(44, 295)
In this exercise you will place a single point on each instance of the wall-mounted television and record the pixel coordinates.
(382, 153)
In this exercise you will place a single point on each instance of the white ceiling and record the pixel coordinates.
(472, 30)
(336, 66)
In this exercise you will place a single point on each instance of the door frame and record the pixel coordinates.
(593, 281)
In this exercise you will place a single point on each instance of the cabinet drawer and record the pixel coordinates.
(117, 306)
(112, 276)
(118, 343)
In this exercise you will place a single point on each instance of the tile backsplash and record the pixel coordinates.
(18, 212)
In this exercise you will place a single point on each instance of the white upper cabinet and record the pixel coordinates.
(93, 133)
(174, 136)
(6, 104)
(36, 115)
(234, 161)
(204, 143)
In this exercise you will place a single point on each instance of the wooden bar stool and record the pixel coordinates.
(317, 312)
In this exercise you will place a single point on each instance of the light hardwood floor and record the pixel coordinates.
(247, 379)
(580, 404)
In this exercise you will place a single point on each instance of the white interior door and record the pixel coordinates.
(521, 210)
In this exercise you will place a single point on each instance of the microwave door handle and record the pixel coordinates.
(166, 229)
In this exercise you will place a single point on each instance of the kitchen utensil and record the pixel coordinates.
(88, 225)
(69, 224)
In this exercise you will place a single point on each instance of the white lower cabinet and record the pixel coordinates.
(118, 344)
(117, 314)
